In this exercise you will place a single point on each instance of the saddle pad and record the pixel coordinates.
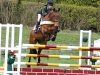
(46, 22)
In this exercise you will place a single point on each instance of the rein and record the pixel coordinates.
(42, 34)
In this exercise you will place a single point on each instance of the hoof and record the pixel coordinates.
(53, 39)
(58, 30)
(34, 58)
(28, 66)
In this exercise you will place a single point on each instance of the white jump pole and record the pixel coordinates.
(6, 50)
(81, 43)
(12, 38)
(20, 47)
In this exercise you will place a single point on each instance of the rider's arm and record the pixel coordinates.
(44, 11)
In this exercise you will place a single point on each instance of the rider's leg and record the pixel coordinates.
(38, 23)
(37, 27)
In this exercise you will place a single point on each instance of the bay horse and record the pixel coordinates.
(46, 32)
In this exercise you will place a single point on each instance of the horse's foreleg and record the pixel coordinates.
(57, 29)
(54, 37)
(39, 52)
(29, 61)
(55, 33)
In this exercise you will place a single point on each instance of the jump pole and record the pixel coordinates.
(53, 47)
(59, 56)
(57, 65)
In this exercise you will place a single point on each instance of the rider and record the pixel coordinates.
(43, 12)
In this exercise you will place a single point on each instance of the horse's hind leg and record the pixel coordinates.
(32, 51)
(29, 58)
(31, 41)
(39, 50)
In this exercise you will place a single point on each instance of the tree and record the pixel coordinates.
(19, 2)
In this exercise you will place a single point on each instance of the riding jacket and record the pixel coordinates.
(44, 11)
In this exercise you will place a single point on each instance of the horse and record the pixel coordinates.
(47, 31)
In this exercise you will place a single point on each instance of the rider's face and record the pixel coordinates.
(49, 6)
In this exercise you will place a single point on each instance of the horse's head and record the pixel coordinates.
(53, 16)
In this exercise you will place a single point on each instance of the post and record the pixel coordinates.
(6, 50)
(11, 60)
(0, 43)
(97, 53)
(81, 44)
(19, 50)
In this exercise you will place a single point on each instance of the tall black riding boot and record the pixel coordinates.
(37, 27)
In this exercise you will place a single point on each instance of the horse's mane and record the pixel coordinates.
(53, 10)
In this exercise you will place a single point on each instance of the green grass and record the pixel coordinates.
(65, 37)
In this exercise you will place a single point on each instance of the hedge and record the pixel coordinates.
(71, 17)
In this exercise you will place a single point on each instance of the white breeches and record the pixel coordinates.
(39, 17)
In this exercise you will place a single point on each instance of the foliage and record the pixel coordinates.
(98, 19)
(71, 16)
(94, 3)
(77, 17)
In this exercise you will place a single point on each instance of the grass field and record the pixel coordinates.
(65, 37)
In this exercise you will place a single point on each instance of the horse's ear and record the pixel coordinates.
(58, 9)
(54, 9)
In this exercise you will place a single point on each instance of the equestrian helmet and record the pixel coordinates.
(50, 3)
